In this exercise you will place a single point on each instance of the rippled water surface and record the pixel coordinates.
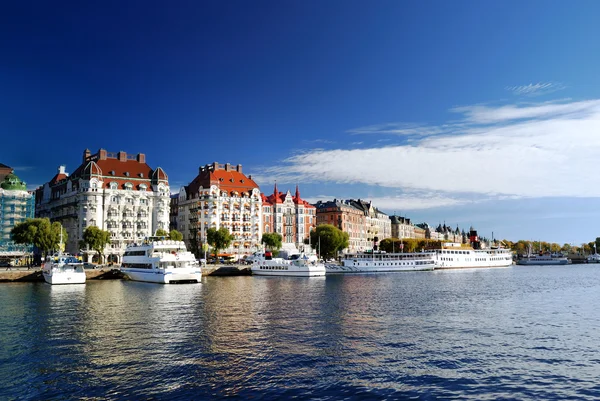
(525, 332)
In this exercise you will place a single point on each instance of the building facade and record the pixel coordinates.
(16, 206)
(116, 192)
(347, 218)
(401, 227)
(290, 216)
(221, 196)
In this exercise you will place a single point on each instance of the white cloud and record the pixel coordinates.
(509, 151)
(541, 88)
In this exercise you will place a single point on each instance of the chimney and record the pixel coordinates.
(86, 155)
(239, 168)
(227, 167)
(141, 158)
(122, 156)
(102, 154)
(215, 166)
(62, 170)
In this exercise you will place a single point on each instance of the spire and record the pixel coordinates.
(297, 193)
(275, 192)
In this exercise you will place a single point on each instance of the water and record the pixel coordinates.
(519, 333)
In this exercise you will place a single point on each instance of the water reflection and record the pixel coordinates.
(515, 333)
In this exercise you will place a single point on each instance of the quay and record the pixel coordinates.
(34, 274)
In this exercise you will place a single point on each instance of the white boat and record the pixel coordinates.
(265, 265)
(593, 258)
(456, 256)
(63, 269)
(545, 259)
(383, 262)
(160, 261)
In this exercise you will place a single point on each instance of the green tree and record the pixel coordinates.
(328, 240)
(272, 241)
(175, 235)
(218, 239)
(41, 233)
(161, 233)
(96, 239)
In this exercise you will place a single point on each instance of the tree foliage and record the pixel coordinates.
(161, 233)
(175, 235)
(328, 240)
(273, 241)
(218, 239)
(96, 239)
(41, 233)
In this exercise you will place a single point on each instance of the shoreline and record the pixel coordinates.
(34, 274)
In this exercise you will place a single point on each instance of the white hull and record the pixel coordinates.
(466, 258)
(161, 276)
(384, 262)
(57, 276)
(257, 271)
(337, 269)
(161, 261)
(301, 267)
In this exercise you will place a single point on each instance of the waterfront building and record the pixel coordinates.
(173, 212)
(290, 216)
(347, 218)
(401, 227)
(16, 206)
(221, 196)
(116, 192)
(378, 224)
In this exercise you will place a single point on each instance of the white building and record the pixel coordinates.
(116, 192)
(221, 196)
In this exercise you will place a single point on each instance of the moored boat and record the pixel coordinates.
(544, 259)
(457, 256)
(265, 265)
(63, 269)
(383, 262)
(157, 260)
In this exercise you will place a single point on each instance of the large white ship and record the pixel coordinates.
(160, 261)
(455, 256)
(383, 262)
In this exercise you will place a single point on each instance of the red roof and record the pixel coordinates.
(229, 181)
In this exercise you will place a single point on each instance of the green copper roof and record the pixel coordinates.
(12, 182)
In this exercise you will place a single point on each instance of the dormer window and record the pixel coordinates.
(112, 172)
(141, 175)
(127, 174)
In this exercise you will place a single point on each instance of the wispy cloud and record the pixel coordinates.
(23, 168)
(538, 89)
(509, 151)
(402, 129)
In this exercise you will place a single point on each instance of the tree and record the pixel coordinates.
(328, 240)
(41, 233)
(161, 233)
(272, 240)
(218, 239)
(96, 239)
(175, 235)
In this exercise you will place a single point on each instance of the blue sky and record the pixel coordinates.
(470, 112)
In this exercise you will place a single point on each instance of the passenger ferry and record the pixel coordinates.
(264, 264)
(544, 259)
(454, 256)
(383, 262)
(157, 260)
(63, 269)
